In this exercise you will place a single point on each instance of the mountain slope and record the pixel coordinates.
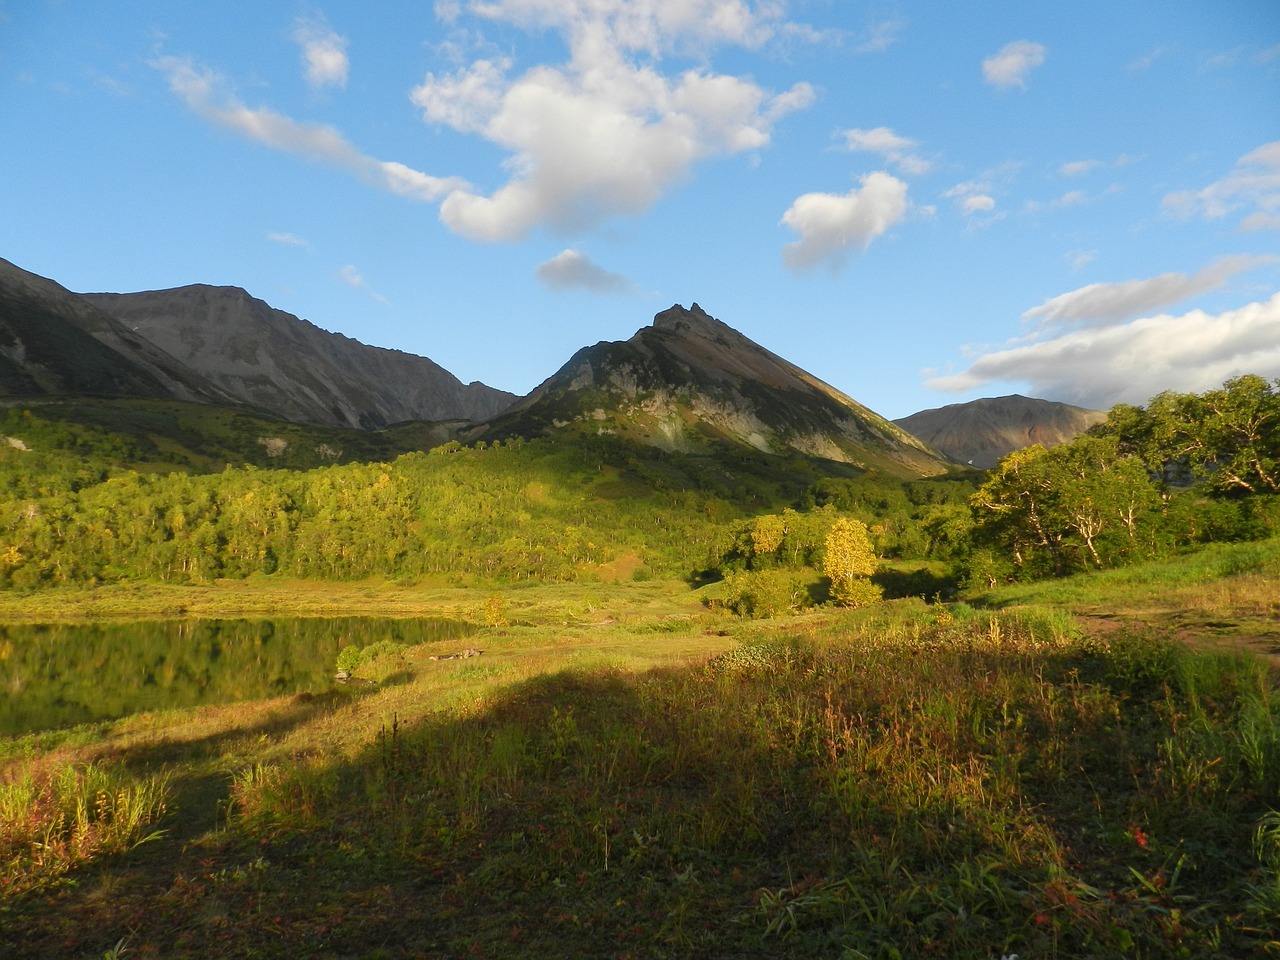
(690, 379)
(980, 432)
(275, 361)
(54, 343)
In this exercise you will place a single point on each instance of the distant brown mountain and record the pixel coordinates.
(274, 361)
(980, 432)
(690, 379)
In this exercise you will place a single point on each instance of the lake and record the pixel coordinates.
(55, 676)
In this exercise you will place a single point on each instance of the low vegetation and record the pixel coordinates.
(900, 780)
(704, 705)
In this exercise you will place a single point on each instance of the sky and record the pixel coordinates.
(921, 203)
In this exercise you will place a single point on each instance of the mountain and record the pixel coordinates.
(274, 361)
(980, 432)
(55, 343)
(689, 380)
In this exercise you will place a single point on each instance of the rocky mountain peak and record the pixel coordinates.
(695, 320)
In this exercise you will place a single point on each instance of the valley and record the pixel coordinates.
(686, 653)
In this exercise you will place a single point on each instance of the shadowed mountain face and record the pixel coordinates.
(690, 379)
(55, 343)
(274, 361)
(982, 431)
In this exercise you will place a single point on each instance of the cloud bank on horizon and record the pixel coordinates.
(957, 179)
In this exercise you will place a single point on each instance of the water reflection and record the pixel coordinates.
(57, 675)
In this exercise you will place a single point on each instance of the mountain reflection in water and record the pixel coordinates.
(55, 676)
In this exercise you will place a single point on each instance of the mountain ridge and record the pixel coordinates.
(980, 432)
(689, 379)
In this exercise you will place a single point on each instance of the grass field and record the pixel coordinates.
(626, 773)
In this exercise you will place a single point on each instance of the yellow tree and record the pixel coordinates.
(849, 561)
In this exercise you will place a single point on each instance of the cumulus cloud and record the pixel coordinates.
(602, 135)
(323, 52)
(977, 203)
(206, 95)
(1253, 185)
(1132, 362)
(830, 225)
(1105, 303)
(893, 148)
(1010, 66)
(571, 270)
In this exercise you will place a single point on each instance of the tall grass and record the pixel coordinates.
(52, 823)
(905, 781)
(908, 782)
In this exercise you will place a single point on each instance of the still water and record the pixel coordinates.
(56, 676)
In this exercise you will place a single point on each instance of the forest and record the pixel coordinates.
(83, 505)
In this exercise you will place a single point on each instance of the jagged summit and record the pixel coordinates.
(690, 379)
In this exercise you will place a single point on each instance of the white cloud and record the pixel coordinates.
(880, 36)
(204, 93)
(602, 135)
(323, 52)
(1078, 168)
(830, 226)
(352, 277)
(287, 239)
(978, 203)
(571, 270)
(651, 26)
(1253, 185)
(1011, 65)
(1105, 303)
(1130, 363)
(893, 148)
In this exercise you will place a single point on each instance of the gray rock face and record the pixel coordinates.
(55, 343)
(690, 378)
(982, 431)
(274, 361)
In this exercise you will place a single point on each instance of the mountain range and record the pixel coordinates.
(686, 382)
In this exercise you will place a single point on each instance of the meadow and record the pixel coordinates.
(629, 771)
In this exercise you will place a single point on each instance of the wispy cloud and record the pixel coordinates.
(1106, 303)
(1010, 66)
(287, 239)
(205, 94)
(831, 226)
(323, 52)
(349, 275)
(1253, 185)
(893, 148)
(572, 270)
(880, 36)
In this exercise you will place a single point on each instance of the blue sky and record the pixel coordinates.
(920, 203)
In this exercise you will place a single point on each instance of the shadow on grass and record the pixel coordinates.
(789, 798)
